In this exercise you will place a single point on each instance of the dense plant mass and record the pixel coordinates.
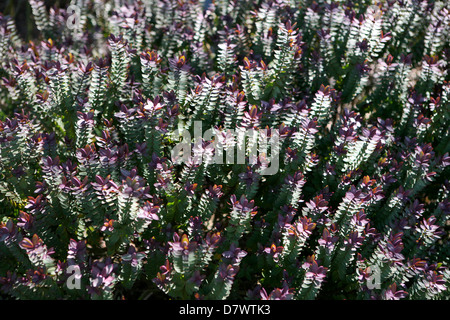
(95, 205)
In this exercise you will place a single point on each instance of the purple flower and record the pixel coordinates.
(102, 275)
(162, 182)
(314, 272)
(150, 58)
(298, 179)
(203, 150)
(87, 155)
(133, 185)
(212, 240)
(195, 225)
(105, 140)
(133, 257)
(291, 154)
(85, 119)
(249, 176)
(359, 220)
(243, 205)
(363, 45)
(328, 239)
(77, 250)
(284, 221)
(421, 122)
(253, 294)
(149, 212)
(340, 150)
(416, 209)
(354, 240)
(104, 186)
(182, 246)
(190, 188)
(156, 162)
(252, 117)
(51, 166)
(347, 133)
(428, 229)
(423, 156)
(364, 274)
(180, 63)
(434, 282)
(36, 205)
(416, 266)
(274, 251)
(370, 232)
(166, 268)
(235, 254)
(8, 231)
(151, 107)
(249, 64)
(41, 187)
(277, 294)
(387, 179)
(354, 195)
(35, 244)
(125, 114)
(69, 168)
(36, 249)
(228, 272)
(433, 63)
(391, 293)
(362, 68)
(393, 248)
(108, 224)
(444, 161)
(108, 156)
(302, 228)
(309, 126)
(35, 276)
(77, 186)
(318, 204)
(403, 194)
(214, 191)
(161, 279)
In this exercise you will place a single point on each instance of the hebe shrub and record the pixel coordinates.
(93, 206)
